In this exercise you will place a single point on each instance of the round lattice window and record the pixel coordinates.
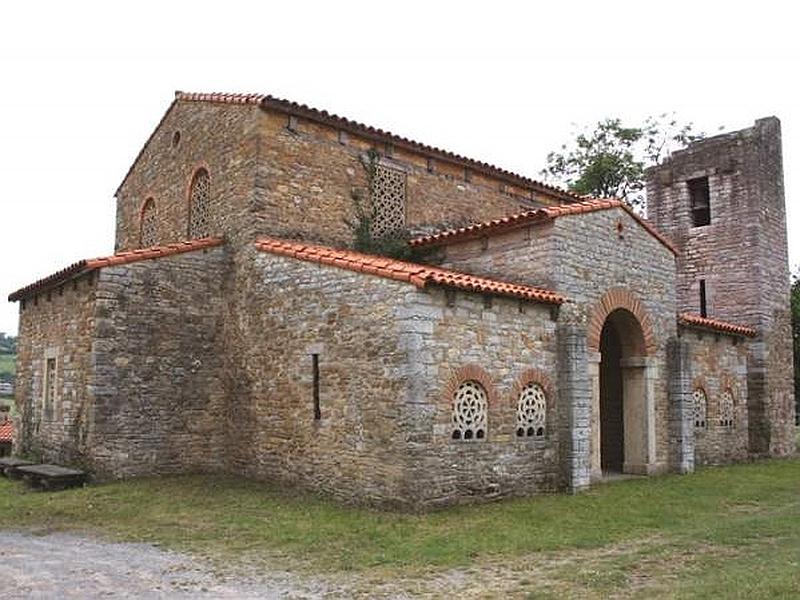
(531, 411)
(699, 408)
(726, 411)
(470, 406)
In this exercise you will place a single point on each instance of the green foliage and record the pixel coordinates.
(609, 160)
(795, 306)
(8, 344)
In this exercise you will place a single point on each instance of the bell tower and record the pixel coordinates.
(721, 201)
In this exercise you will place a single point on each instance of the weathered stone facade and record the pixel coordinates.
(740, 257)
(531, 354)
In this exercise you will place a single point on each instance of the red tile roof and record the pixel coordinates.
(86, 265)
(537, 216)
(266, 101)
(6, 430)
(417, 274)
(715, 325)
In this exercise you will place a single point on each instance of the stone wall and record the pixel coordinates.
(58, 324)
(719, 363)
(157, 382)
(504, 344)
(741, 255)
(388, 355)
(293, 310)
(307, 174)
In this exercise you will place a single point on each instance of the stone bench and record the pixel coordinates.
(51, 477)
(9, 466)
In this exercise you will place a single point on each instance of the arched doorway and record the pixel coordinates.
(623, 419)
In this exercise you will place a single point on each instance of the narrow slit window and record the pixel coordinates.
(703, 302)
(315, 372)
(700, 197)
(49, 387)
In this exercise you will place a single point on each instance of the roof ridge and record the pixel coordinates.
(418, 274)
(696, 320)
(121, 258)
(321, 115)
(529, 217)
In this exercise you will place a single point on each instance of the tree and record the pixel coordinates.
(795, 305)
(609, 160)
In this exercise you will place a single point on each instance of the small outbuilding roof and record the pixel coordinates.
(693, 320)
(84, 266)
(418, 274)
(538, 215)
(6, 430)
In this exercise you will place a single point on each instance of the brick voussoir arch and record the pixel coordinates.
(614, 299)
(532, 376)
(470, 372)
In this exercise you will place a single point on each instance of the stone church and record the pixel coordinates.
(537, 342)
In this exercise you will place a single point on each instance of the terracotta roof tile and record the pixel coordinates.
(418, 274)
(84, 266)
(539, 215)
(693, 320)
(6, 430)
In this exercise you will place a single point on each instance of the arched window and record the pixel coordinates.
(148, 229)
(531, 411)
(470, 408)
(199, 194)
(699, 408)
(726, 410)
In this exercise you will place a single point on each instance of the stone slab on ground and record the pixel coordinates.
(9, 466)
(51, 477)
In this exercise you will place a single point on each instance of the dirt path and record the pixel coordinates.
(55, 566)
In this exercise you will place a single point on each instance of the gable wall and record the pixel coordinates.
(219, 137)
(159, 397)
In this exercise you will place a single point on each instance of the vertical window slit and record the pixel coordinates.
(315, 370)
(703, 305)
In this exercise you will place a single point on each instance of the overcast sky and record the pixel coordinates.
(82, 85)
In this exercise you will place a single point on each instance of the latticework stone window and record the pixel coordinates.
(148, 234)
(198, 204)
(726, 410)
(470, 408)
(388, 201)
(700, 402)
(531, 411)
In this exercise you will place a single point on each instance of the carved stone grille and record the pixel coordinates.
(531, 411)
(470, 406)
(699, 408)
(388, 201)
(726, 412)
(149, 235)
(198, 205)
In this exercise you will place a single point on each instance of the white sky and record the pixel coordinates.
(82, 85)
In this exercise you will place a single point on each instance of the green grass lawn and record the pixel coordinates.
(730, 532)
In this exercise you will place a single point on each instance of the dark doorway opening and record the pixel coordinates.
(612, 424)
